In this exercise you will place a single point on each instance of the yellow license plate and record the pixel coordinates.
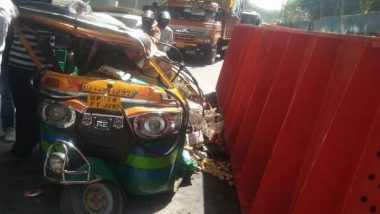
(103, 102)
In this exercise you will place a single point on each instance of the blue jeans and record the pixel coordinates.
(7, 105)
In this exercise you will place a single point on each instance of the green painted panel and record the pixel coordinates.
(140, 162)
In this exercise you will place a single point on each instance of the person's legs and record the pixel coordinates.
(26, 103)
(7, 107)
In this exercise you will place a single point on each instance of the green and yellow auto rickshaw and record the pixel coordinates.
(113, 115)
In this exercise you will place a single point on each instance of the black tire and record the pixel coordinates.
(99, 198)
(222, 54)
(212, 99)
(175, 55)
(210, 56)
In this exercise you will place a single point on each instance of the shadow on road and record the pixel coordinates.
(19, 176)
(218, 196)
(200, 194)
(148, 204)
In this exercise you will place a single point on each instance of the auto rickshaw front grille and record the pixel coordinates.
(107, 141)
(100, 141)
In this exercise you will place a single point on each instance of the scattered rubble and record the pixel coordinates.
(206, 146)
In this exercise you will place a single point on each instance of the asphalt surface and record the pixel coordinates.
(202, 194)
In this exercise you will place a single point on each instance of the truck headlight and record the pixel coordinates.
(58, 114)
(199, 39)
(156, 125)
(203, 39)
(56, 162)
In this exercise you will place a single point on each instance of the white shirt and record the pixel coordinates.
(167, 38)
(7, 12)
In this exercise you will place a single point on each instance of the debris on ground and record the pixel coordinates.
(214, 126)
(217, 168)
(205, 144)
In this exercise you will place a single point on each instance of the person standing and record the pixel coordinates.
(166, 31)
(7, 13)
(22, 69)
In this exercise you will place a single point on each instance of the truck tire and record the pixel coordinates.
(210, 56)
(222, 48)
(222, 54)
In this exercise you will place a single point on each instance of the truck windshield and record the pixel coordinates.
(188, 13)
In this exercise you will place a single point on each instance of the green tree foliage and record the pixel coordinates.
(315, 9)
(365, 5)
(375, 5)
(293, 12)
(369, 5)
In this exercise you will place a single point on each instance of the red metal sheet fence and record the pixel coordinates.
(302, 120)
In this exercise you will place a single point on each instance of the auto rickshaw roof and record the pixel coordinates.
(87, 25)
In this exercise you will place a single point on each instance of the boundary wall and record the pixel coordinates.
(302, 120)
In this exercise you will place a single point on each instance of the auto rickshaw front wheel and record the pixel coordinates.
(96, 198)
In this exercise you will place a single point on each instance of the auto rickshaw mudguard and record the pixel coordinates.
(101, 169)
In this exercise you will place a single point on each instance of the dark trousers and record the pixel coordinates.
(7, 106)
(27, 119)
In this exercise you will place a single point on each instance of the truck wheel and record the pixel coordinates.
(210, 56)
(95, 198)
(222, 54)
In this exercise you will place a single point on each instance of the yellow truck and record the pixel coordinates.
(203, 27)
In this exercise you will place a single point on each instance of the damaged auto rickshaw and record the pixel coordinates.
(114, 114)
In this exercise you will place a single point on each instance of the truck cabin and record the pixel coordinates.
(193, 10)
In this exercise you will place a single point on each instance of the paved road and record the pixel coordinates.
(206, 75)
(202, 194)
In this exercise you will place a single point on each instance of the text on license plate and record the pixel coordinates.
(103, 102)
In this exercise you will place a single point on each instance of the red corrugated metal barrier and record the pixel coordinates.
(302, 120)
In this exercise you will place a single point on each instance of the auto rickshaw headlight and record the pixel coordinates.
(58, 114)
(155, 125)
(56, 162)
(55, 112)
